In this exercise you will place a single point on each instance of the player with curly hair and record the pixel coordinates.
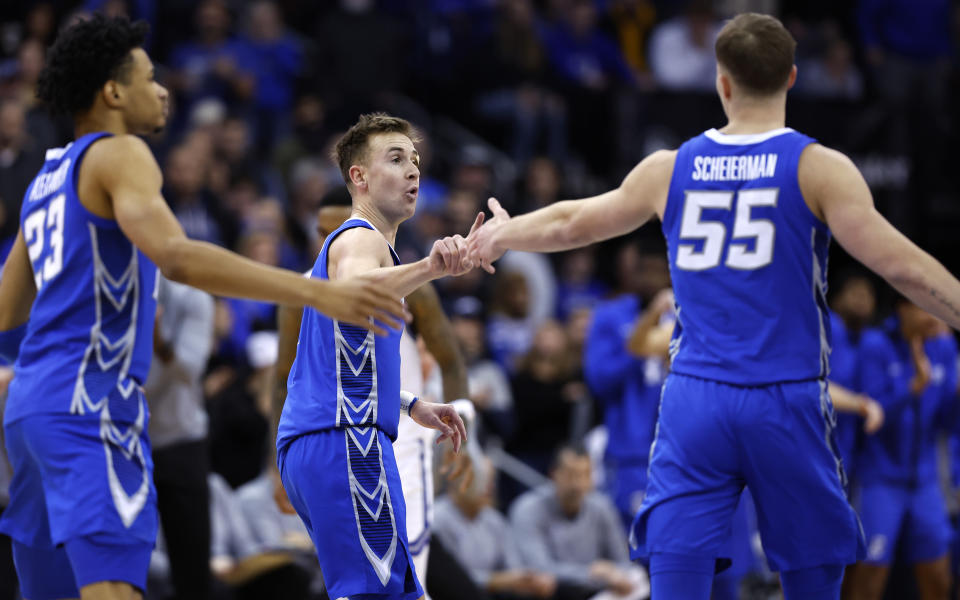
(77, 307)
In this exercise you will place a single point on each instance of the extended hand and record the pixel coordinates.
(872, 416)
(482, 247)
(360, 302)
(449, 256)
(443, 418)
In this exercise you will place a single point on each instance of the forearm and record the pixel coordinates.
(402, 280)
(550, 229)
(642, 342)
(928, 283)
(846, 401)
(223, 273)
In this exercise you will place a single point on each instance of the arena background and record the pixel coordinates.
(529, 101)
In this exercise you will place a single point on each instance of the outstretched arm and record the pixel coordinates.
(362, 251)
(837, 193)
(129, 175)
(575, 223)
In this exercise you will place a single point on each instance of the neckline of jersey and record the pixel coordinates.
(374, 227)
(747, 138)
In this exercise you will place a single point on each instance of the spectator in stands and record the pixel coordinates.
(182, 342)
(20, 158)
(632, 21)
(853, 306)
(355, 75)
(832, 73)
(482, 541)
(910, 367)
(681, 50)
(589, 68)
(196, 209)
(624, 377)
(541, 184)
(238, 401)
(509, 331)
(19, 83)
(277, 61)
(548, 392)
(578, 287)
(583, 56)
(214, 64)
(573, 532)
(487, 380)
(517, 77)
(252, 570)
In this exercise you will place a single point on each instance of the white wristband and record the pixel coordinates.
(407, 400)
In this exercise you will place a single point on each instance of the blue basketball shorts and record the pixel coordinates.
(82, 502)
(918, 516)
(345, 486)
(712, 440)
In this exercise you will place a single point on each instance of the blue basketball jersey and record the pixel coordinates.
(343, 376)
(748, 261)
(89, 339)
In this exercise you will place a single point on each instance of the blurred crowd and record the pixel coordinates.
(529, 101)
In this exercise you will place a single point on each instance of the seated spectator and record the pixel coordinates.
(832, 74)
(481, 540)
(271, 528)
(547, 391)
(568, 529)
(213, 64)
(251, 569)
(681, 50)
(509, 332)
(487, 381)
(277, 61)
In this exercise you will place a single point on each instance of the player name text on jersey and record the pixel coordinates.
(734, 168)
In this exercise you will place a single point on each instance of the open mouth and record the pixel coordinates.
(412, 192)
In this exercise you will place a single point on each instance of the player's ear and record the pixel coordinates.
(358, 176)
(792, 78)
(112, 94)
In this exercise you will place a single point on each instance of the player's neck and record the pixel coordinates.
(375, 218)
(746, 118)
(94, 121)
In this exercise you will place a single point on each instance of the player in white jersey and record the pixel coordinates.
(414, 445)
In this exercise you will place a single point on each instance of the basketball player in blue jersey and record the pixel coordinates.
(413, 446)
(747, 212)
(77, 309)
(344, 401)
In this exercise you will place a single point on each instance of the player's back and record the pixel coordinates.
(748, 261)
(89, 338)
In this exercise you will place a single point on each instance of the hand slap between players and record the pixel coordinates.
(443, 418)
(482, 248)
(449, 256)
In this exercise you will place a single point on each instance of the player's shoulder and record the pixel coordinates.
(121, 155)
(819, 162)
(358, 241)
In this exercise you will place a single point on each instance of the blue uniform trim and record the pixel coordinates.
(10, 344)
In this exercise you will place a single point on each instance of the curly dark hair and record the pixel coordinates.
(84, 57)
